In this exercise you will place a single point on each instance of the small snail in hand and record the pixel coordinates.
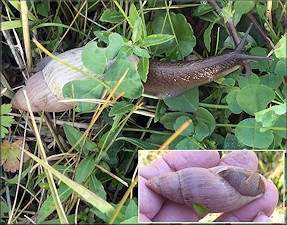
(165, 79)
(220, 188)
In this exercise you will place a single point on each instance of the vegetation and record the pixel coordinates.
(92, 150)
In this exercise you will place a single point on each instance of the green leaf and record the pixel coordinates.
(96, 58)
(85, 194)
(137, 142)
(141, 52)
(137, 30)
(14, 180)
(187, 144)
(83, 89)
(187, 102)
(168, 119)
(245, 81)
(207, 36)
(6, 121)
(48, 207)
(133, 14)
(181, 120)
(157, 139)
(201, 131)
(84, 170)
(204, 116)
(262, 65)
(243, 7)
(131, 210)
(17, 6)
(200, 208)
(111, 16)
(202, 9)
(155, 39)
(7, 25)
(131, 85)
(281, 68)
(236, 18)
(125, 52)
(120, 108)
(43, 8)
(160, 110)
(261, 10)
(73, 135)
(4, 209)
(269, 116)
(228, 81)
(232, 143)
(61, 168)
(102, 36)
(211, 17)
(97, 187)
(5, 108)
(132, 220)
(143, 67)
(280, 50)
(184, 41)
(116, 42)
(271, 80)
(254, 98)
(231, 100)
(281, 121)
(248, 133)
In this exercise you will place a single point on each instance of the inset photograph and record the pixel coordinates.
(211, 186)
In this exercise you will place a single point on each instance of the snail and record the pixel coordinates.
(165, 79)
(220, 188)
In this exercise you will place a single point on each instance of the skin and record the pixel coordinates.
(155, 208)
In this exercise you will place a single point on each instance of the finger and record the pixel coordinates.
(244, 159)
(173, 212)
(150, 203)
(261, 217)
(178, 160)
(247, 213)
(143, 218)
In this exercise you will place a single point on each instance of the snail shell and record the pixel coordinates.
(44, 89)
(220, 189)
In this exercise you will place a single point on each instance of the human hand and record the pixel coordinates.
(155, 208)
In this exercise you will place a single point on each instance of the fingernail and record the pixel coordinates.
(260, 213)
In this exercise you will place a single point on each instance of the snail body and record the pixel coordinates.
(220, 189)
(164, 80)
(170, 79)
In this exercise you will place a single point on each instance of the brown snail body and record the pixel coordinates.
(220, 189)
(165, 79)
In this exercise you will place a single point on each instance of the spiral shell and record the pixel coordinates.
(220, 189)
(40, 96)
(44, 88)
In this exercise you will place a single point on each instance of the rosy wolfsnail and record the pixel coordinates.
(220, 188)
(165, 79)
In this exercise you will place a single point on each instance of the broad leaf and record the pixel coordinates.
(131, 85)
(11, 155)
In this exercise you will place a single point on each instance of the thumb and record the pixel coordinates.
(261, 217)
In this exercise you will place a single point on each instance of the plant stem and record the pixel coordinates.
(26, 33)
